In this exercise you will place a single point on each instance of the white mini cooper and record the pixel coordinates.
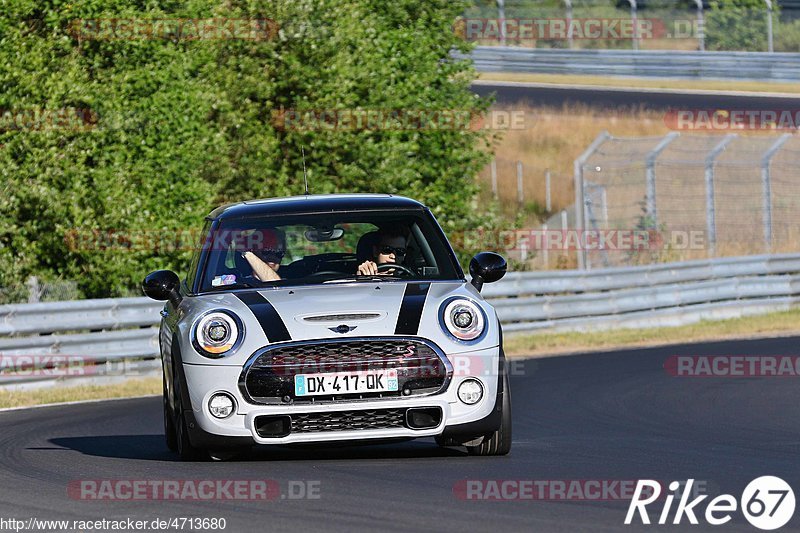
(330, 318)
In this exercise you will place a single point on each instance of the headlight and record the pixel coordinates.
(216, 333)
(221, 405)
(463, 319)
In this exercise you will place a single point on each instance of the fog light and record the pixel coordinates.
(221, 405)
(470, 391)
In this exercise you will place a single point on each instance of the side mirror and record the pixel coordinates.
(486, 267)
(161, 285)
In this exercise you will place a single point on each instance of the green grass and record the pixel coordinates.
(707, 85)
(130, 388)
(544, 344)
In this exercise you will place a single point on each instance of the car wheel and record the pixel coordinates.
(183, 445)
(170, 434)
(499, 442)
(185, 448)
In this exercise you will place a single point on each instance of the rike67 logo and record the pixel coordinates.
(767, 503)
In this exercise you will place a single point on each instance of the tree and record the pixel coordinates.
(167, 129)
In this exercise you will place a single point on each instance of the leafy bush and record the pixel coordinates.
(736, 25)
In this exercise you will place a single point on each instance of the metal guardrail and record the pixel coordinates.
(759, 66)
(606, 279)
(119, 335)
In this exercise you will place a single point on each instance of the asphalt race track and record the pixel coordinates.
(613, 416)
(620, 98)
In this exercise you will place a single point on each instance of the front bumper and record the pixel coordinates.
(457, 419)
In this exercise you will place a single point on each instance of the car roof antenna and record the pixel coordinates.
(305, 176)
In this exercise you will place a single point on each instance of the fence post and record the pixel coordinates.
(520, 191)
(545, 251)
(766, 184)
(770, 43)
(701, 31)
(650, 175)
(33, 289)
(580, 198)
(548, 204)
(711, 223)
(501, 14)
(569, 24)
(635, 21)
(493, 170)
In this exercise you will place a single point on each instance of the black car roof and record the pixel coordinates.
(317, 203)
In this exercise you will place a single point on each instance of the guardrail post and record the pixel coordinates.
(634, 19)
(766, 183)
(711, 223)
(580, 197)
(770, 43)
(650, 175)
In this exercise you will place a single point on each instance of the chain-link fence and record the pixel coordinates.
(689, 196)
(34, 290)
(771, 25)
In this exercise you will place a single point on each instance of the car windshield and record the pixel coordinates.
(326, 248)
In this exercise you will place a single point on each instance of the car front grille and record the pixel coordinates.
(282, 425)
(348, 420)
(268, 378)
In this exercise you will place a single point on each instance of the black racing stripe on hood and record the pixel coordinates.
(411, 309)
(267, 316)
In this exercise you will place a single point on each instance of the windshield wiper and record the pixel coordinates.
(363, 278)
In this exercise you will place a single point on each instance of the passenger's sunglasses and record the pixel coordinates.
(386, 250)
(270, 256)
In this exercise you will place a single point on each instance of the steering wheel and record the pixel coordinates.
(391, 266)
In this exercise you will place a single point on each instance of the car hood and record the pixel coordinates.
(344, 310)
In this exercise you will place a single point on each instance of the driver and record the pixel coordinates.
(390, 249)
(265, 259)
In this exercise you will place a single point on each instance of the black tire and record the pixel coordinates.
(183, 444)
(170, 434)
(499, 442)
(186, 451)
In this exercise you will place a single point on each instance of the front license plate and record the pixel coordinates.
(345, 382)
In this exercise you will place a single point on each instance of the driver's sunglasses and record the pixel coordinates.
(386, 250)
(270, 256)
